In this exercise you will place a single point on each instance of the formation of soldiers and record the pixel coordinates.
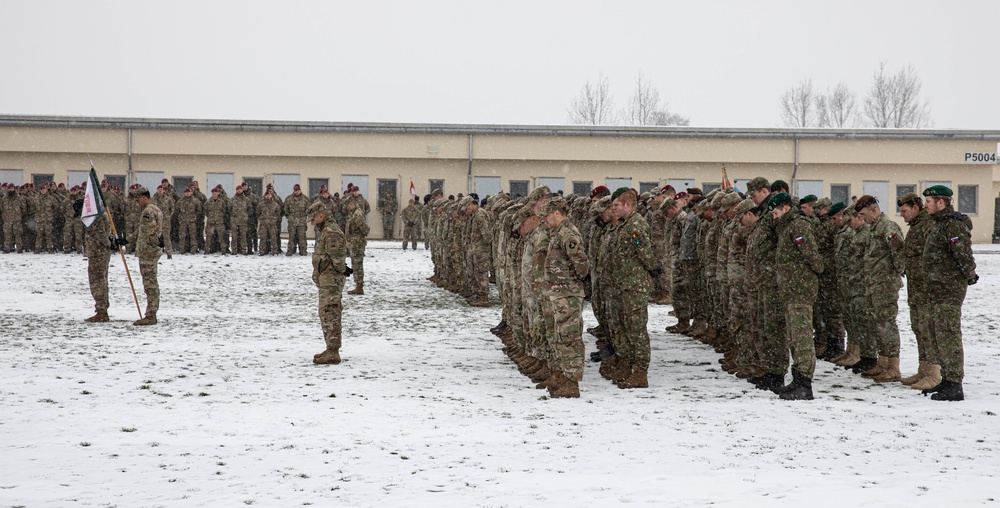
(769, 280)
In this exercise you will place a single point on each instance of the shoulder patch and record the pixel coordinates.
(636, 239)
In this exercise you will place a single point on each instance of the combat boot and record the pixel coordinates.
(150, 319)
(921, 373)
(609, 366)
(698, 328)
(665, 299)
(949, 391)
(880, 366)
(99, 317)
(683, 326)
(479, 302)
(541, 374)
(358, 290)
(330, 356)
(862, 365)
(931, 378)
(800, 389)
(637, 378)
(850, 353)
(890, 373)
(834, 348)
(564, 388)
(549, 382)
(769, 381)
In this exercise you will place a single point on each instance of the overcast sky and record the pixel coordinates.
(720, 63)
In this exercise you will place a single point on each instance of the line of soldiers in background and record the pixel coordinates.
(769, 280)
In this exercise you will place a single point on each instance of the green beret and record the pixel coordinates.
(938, 191)
(556, 203)
(757, 184)
(777, 185)
(836, 208)
(619, 192)
(811, 198)
(779, 199)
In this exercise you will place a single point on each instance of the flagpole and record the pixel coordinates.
(114, 231)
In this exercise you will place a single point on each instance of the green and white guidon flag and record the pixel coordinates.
(93, 201)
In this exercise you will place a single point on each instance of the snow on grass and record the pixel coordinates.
(220, 404)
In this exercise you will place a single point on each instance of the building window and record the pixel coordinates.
(180, 183)
(256, 184)
(901, 190)
(648, 186)
(804, 188)
(518, 188)
(386, 185)
(968, 199)
(840, 193)
(39, 180)
(433, 185)
(709, 187)
(880, 190)
(582, 188)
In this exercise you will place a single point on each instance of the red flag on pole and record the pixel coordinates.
(413, 190)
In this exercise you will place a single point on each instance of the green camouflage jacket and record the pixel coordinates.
(798, 261)
(947, 258)
(565, 262)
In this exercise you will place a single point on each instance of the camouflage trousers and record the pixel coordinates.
(72, 236)
(567, 336)
(388, 225)
(358, 265)
(330, 310)
(240, 239)
(946, 334)
(410, 236)
(737, 324)
(773, 325)
(478, 274)
(97, 274)
(43, 240)
(861, 307)
(296, 237)
(721, 307)
(628, 318)
(799, 322)
(539, 327)
(684, 289)
(599, 305)
(148, 267)
(268, 234)
(216, 233)
(885, 308)
(852, 317)
(827, 320)
(920, 317)
(188, 237)
(661, 284)
(168, 244)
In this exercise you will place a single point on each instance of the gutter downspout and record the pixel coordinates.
(130, 175)
(468, 178)
(795, 168)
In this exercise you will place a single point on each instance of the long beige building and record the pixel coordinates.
(485, 159)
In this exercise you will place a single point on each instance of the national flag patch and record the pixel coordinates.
(636, 239)
(799, 240)
(954, 240)
(890, 237)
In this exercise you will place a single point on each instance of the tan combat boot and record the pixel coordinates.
(150, 319)
(891, 372)
(99, 317)
(698, 328)
(841, 356)
(682, 326)
(921, 372)
(637, 378)
(541, 374)
(932, 379)
(880, 365)
(608, 367)
(665, 299)
(330, 356)
(852, 356)
(565, 388)
(358, 290)
(480, 302)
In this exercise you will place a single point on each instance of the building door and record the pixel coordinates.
(226, 180)
(518, 188)
(14, 176)
(181, 183)
(385, 185)
(582, 188)
(39, 180)
(283, 185)
(315, 184)
(256, 183)
(555, 184)
(486, 186)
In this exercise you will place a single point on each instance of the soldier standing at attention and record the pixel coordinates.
(388, 206)
(99, 244)
(216, 212)
(919, 222)
(411, 216)
(268, 217)
(45, 216)
(357, 240)
(295, 208)
(951, 269)
(329, 274)
(479, 244)
(799, 265)
(188, 211)
(165, 202)
(148, 249)
(239, 219)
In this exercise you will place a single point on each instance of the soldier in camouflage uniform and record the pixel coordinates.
(100, 244)
(919, 221)
(239, 220)
(745, 359)
(357, 240)
(165, 202)
(411, 224)
(855, 306)
(602, 217)
(13, 208)
(268, 217)
(216, 215)
(45, 214)
(658, 237)
(388, 206)
(254, 199)
(73, 229)
(132, 213)
(799, 265)
(148, 249)
(478, 254)
(951, 269)
(188, 211)
(565, 265)
(295, 208)
(200, 221)
(329, 274)
(630, 278)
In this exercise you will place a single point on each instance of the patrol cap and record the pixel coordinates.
(824, 203)
(539, 192)
(779, 199)
(556, 203)
(729, 199)
(314, 209)
(909, 198)
(836, 208)
(757, 184)
(745, 206)
(810, 198)
(601, 205)
(938, 191)
(522, 215)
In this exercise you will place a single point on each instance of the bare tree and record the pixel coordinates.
(840, 108)
(797, 105)
(893, 102)
(645, 108)
(594, 105)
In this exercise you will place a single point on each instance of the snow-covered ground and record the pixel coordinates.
(220, 405)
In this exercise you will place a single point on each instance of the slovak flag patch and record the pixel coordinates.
(799, 240)
(954, 240)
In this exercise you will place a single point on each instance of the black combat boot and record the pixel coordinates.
(769, 381)
(801, 388)
(601, 354)
(947, 390)
(866, 363)
(834, 348)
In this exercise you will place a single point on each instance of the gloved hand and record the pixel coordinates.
(585, 278)
(974, 279)
(348, 271)
(121, 241)
(656, 272)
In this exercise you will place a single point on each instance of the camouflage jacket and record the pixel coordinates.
(883, 261)
(47, 208)
(826, 232)
(165, 202)
(854, 279)
(13, 208)
(913, 255)
(268, 211)
(295, 208)
(737, 261)
(357, 232)
(147, 242)
(722, 252)
(799, 263)
(533, 262)
(480, 233)
(948, 259)
(217, 210)
(687, 246)
(329, 258)
(630, 257)
(761, 273)
(97, 237)
(658, 232)
(189, 209)
(411, 216)
(844, 263)
(388, 205)
(239, 210)
(565, 262)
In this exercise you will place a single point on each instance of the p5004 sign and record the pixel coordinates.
(980, 158)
